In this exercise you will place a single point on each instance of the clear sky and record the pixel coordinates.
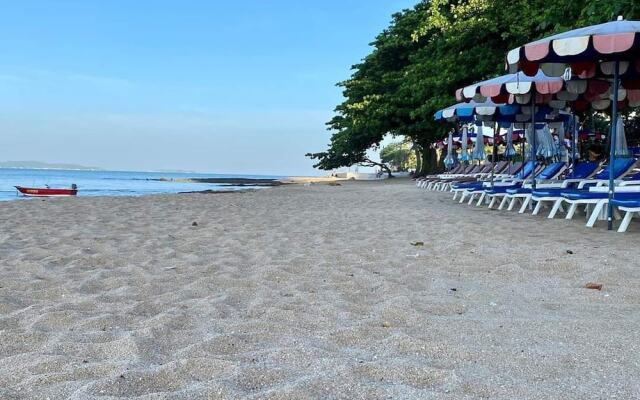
(210, 85)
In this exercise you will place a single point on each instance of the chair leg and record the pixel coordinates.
(455, 194)
(595, 213)
(493, 202)
(525, 203)
(472, 197)
(572, 210)
(554, 209)
(536, 210)
(502, 203)
(616, 214)
(481, 199)
(625, 221)
(464, 196)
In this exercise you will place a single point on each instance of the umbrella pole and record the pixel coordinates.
(494, 153)
(612, 142)
(533, 139)
(574, 143)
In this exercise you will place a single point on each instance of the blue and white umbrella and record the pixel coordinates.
(464, 155)
(448, 160)
(622, 150)
(478, 150)
(561, 149)
(509, 151)
(546, 147)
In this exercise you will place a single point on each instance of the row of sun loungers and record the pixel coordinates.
(583, 186)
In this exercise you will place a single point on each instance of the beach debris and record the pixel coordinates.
(386, 324)
(569, 252)
(194, 223)
(593, 285)
(334, 184)
(453, 289)
(351, 275)
(417, 244)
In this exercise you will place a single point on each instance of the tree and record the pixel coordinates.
(428, 52)
(398, 155)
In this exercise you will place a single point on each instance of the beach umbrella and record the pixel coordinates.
(464, 155)
(560, 149)
(478, 150)
(621, 148)
(448, 160)
(555, 92)
(547, 147)
(509, 151)
(605, 50)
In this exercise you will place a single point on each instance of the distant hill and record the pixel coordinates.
(43, 165)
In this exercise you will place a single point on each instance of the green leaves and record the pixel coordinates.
(428, 52)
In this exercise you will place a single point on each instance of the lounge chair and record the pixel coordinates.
(630, 205)
(508, 172)
(499, 188)
(523, 193)
(483, 174)
(460, 168)
(459, 171)
(581, 195)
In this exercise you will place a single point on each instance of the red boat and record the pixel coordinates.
(47, 192)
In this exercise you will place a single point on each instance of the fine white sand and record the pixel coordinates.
(312, 292)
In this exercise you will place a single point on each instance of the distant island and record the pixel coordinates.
(43, 165)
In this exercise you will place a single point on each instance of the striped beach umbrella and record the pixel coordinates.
(607, 50)
(464, 155)
(448, 160)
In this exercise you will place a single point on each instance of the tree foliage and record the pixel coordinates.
(399, 156)
(429, 51)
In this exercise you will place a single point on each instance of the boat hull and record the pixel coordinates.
(46, 192)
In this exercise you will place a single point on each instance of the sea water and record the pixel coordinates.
(110, 183)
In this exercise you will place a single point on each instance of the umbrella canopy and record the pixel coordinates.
(588, 51)
(489, 111)
(478, 150)
(464, 155)
(448, 160)
(607, 49)
(579, 94)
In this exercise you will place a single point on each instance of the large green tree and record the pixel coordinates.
(428, 52)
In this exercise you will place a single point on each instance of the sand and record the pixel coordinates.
(312, 292)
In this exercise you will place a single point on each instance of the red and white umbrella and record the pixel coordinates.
(588, 51)
(609, 49)
(578, 94)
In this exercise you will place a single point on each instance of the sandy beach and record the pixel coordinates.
(312, 292)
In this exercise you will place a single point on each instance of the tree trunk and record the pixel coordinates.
(418, 160)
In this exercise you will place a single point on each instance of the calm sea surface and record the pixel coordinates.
(108, 183)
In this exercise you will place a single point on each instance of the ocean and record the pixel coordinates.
(110, 183)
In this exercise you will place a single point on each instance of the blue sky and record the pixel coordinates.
(211, 86)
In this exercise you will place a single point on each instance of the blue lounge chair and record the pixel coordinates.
(499, 189)
(550, 172)
(581, 195)
(472, 192)
(580, 172)
(461, 187)
(630, 205)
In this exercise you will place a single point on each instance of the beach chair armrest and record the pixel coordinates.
(584, 182)
(628, 183)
